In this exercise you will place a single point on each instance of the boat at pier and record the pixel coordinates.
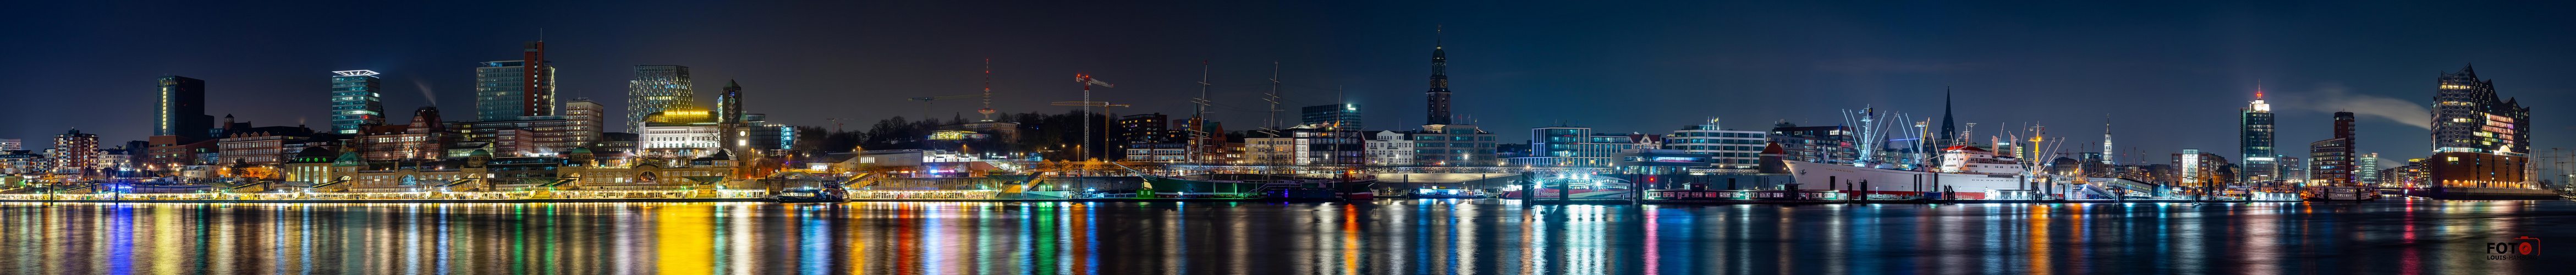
(1975, 174)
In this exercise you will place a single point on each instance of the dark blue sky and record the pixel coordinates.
(2170, 74)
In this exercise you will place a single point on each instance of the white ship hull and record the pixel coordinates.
(1815, 176)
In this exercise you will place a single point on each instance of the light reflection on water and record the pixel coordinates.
(1385, 237)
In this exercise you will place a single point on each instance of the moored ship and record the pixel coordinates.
(1975, 174)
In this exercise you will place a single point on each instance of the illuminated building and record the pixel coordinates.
(73, 153)
(1390, 148)
(509, 89)
(681, 133)
(356, 101)
(1570, 146)
(1732, 150)
(535, 135)
(657, 88)
(2480, 142)
(261, 145)
(1334, 117)
(2254, 140)
(424, 138)
(1818, 144)
(11, 144)
(183, 109)
(2195, 166)
(1149, 137)
(2366, 170)
(1454, 145)
(2331, 161)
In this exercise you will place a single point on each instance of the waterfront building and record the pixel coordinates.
(509, 89)
(657, 88)
(2254, 139)
(261, 145)
(1728, 150)
(1573, 146)
(356, 101)
(770, 137)
(2294, 170)
(1819, 144)
(2331, 160)
(1390, 148)
(2480, 140)
(424, 138)
(683, 133)
(22, 162)
(2366, 169)
(1270, 150)
(2195, 167)
(1149, 137)
(1335, 116)
(73, 153)
(534, 135)
(1454, 145)
(183, 109)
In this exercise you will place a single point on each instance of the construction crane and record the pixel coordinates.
(1086, 124)
(1087, 81)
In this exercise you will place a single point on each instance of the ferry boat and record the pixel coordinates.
(811, 195)
(1973, 173)
(2338, 193)
(1576, 187)
(1448, 194)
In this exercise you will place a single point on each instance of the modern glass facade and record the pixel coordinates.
(182, 111)
(657, 88)
(506, 90)
(356, 101)
(2255, 143)
(1336, 116)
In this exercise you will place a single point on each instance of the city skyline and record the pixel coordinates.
(1500, 76)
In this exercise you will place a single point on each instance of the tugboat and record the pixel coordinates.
(792, 195)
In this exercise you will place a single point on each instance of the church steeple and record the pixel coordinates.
(1949, 130)
(1438, 96)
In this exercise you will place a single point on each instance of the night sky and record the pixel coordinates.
(2169, 74)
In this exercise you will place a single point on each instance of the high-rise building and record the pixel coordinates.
(2254, 140)
(729, 104)
(183, 109)
(11, 144)
(1438, 96)
(2109, 155)
(2479, 140)
(582, 119)
(509, 89)
(1335, 116)
(2331, 161)
(657, 88)
(74, 150)
(2366, 169)
(356, 101)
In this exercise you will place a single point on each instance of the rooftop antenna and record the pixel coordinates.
(988, 91)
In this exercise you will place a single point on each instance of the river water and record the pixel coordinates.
(1382, 237)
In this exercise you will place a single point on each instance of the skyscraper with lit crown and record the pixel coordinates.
(2254, 140)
